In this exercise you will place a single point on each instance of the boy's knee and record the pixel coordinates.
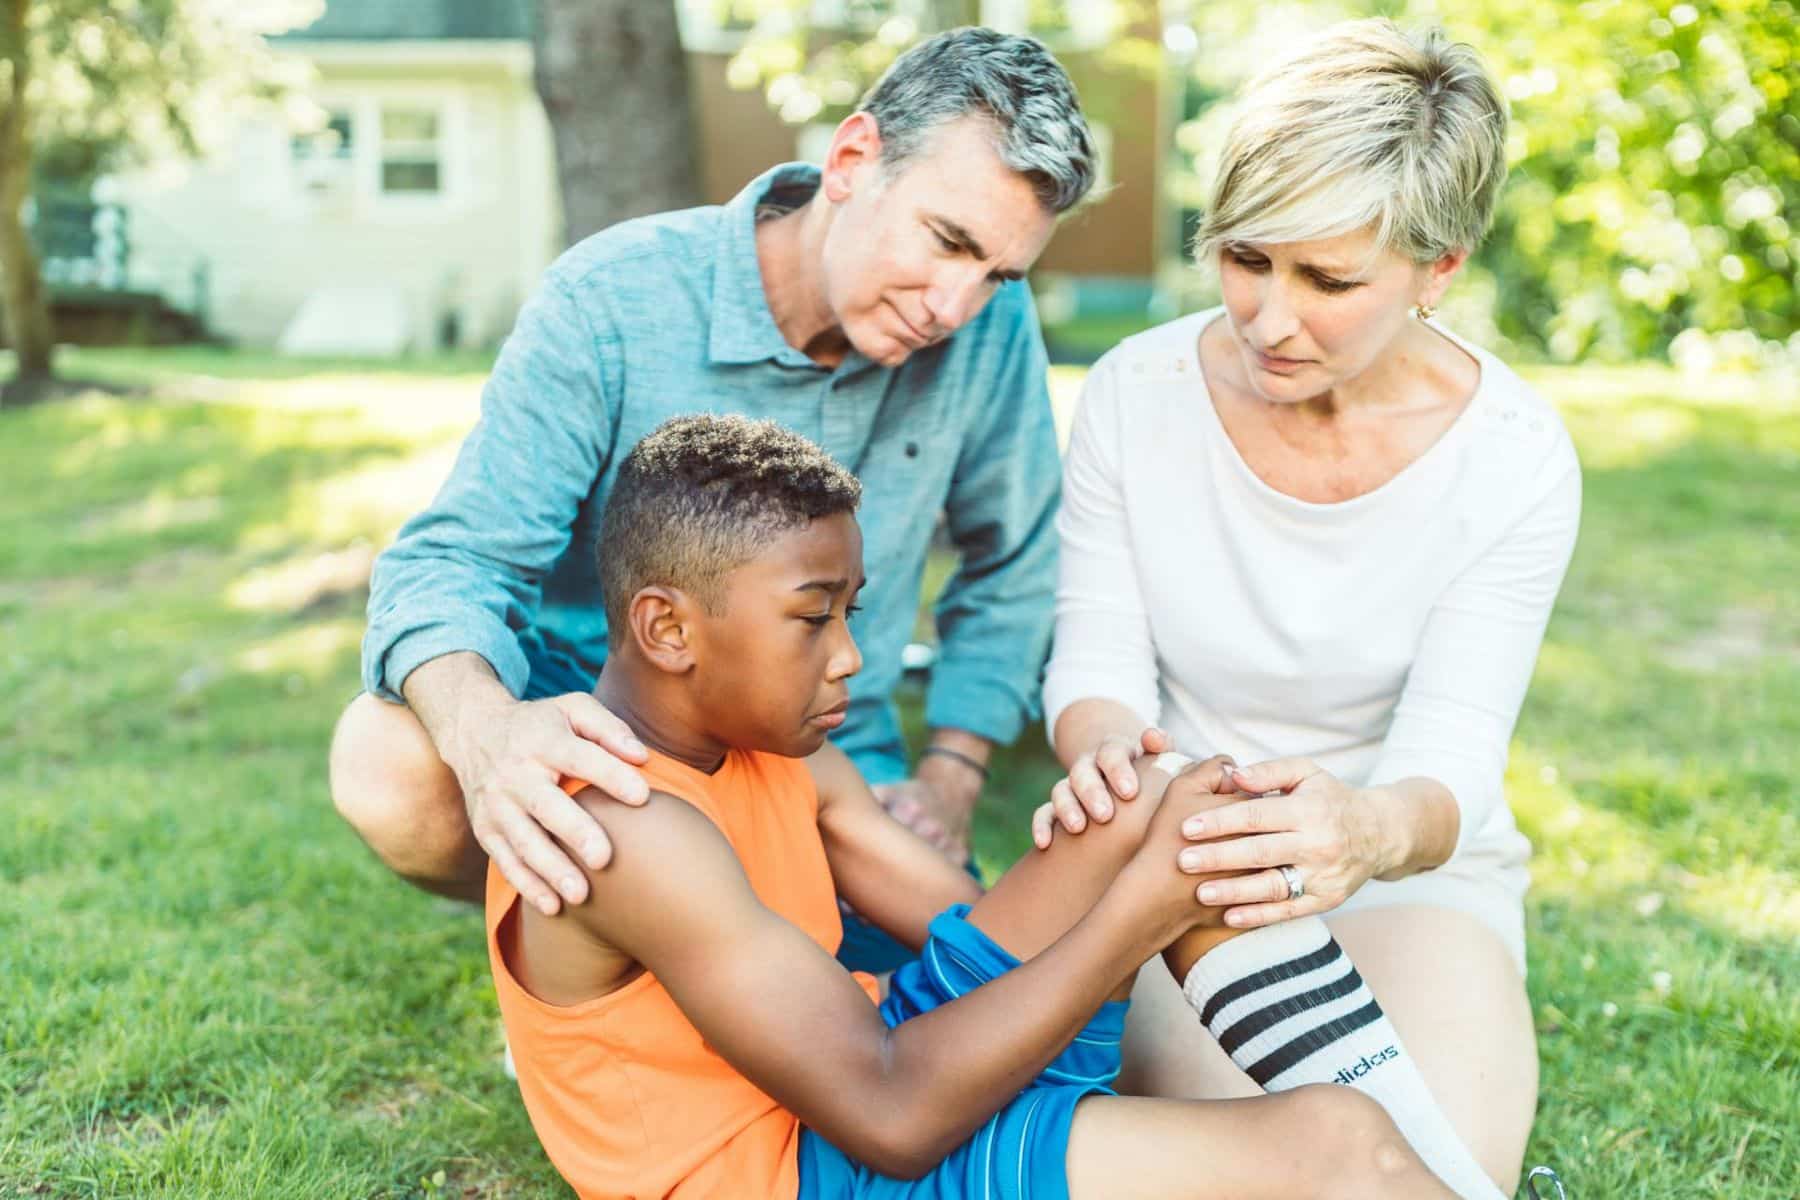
(1360, 1150)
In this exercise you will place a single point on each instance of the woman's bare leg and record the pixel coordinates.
(1450, 989)
(1167, 1051)
(1311, 1142)
(1454, 995)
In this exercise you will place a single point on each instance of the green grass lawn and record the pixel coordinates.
(212, 990)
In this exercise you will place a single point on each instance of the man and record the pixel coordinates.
(876, 306)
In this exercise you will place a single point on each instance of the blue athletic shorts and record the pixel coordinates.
(1020, 1153)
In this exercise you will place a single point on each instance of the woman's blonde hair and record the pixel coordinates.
(1364, 126)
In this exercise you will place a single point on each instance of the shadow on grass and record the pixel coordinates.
(99, 485)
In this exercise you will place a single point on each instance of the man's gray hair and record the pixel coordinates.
(1012, 81)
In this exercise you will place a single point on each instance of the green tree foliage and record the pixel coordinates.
(88, 86)
(1655, 151)
(815, 71)
(1656, 171)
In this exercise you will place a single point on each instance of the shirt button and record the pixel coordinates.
(912, 449)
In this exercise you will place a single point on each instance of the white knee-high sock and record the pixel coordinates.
(1286, 1003)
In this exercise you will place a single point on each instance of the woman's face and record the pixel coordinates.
(1309, 316)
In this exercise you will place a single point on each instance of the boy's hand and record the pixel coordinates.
(1168, 891)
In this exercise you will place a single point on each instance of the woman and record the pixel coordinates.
(1315, 531)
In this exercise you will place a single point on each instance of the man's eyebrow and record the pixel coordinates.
(964, 238)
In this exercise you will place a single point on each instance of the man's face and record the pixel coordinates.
(774, 663)
(913, 254)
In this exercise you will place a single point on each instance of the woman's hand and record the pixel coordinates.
(1095, 780)
(1337, 837)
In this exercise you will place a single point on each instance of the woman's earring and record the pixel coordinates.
(1424, 311)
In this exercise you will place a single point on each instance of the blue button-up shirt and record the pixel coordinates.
(666, 315)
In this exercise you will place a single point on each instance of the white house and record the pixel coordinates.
(419, 214)
(419, 205)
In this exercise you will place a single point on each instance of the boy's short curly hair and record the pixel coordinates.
(700, 496)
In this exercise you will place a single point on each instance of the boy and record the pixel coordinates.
(686, 1031)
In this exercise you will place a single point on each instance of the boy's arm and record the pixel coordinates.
(786, 1015)
(891, 876)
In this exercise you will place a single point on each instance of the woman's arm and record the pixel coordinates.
(1100, 687)
(1440, 776)
(1103, 647)
(1455, 718)
(1088, 723)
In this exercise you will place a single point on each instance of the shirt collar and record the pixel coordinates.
(743, 328)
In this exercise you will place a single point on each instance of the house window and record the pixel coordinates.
(412, 159)
(322, 157)
(331, 143)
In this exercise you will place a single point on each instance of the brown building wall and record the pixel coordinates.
(739, 134)
(740, 137)
(1116, 233)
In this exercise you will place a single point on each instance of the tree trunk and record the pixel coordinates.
(613, 79)
(24, 307)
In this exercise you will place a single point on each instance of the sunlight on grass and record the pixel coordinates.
(303, 580)
(309, 652)
(1593, 855)
(182, 577)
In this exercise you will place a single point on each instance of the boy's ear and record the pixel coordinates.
(661, 622)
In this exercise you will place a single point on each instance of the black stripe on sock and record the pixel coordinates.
(1311, 1042)
(1329, 952)
(1293, 1006)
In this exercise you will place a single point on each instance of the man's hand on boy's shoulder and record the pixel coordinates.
(508, 756)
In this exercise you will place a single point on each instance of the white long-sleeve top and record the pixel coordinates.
(1386, 636)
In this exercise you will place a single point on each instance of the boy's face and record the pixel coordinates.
(773, 667)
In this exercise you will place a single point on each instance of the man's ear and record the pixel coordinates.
(661, 623)
(855, 150)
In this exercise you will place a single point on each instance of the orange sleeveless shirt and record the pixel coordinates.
(624, 1093)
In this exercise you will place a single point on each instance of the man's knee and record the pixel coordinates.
(388, 782)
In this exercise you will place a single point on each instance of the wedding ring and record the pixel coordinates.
(1296, 882)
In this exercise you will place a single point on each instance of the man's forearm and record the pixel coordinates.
(451, 690)
(954, 762)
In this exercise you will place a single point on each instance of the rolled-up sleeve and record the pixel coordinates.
(1480, 644)
(466, 573)
(993, 617)
(1104, 648)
